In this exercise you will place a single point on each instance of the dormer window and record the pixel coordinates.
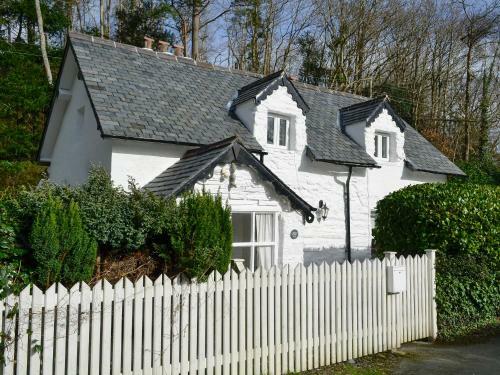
(278, 131)
(381, 146)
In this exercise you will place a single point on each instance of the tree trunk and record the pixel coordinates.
(468, 78)
(102, 19)
(43, 45)
(195, 30)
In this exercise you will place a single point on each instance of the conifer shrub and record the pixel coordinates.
(62, 250)
(199, 236)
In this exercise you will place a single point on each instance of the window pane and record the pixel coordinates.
(384, 146)
(264, 257)
(243, 253)
(270, 130)
(283, 132)
(242, 227)
(376, 146)
(264, 227)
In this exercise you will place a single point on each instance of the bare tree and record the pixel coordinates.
(43, 43)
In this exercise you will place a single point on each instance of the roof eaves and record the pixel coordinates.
(311, 154)
(413, 167)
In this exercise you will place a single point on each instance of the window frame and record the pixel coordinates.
(378, 148)
(277, 130)
(253, 243)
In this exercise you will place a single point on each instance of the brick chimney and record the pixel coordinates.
(178, 50)
(148, 42)
(163, 46)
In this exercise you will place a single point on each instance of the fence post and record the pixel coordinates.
(431, 276)
(396, 325)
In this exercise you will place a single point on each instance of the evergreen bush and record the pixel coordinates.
(62, 250)
(199, 236)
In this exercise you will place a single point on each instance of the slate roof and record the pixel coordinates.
(199, 163)
(421, 155)
(146, 95)
(260, 89)
(368, 111)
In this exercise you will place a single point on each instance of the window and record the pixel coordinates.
(381, 146)
(254, 238)
(277, 131)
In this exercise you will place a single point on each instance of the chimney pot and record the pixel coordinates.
(148, 42)
(178, 50)
(163, 46)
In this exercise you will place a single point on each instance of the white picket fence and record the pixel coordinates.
(277, 321)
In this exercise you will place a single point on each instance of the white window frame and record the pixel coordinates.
(276, 133)
(253, 243)
(377, 152)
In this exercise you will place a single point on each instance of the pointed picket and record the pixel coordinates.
(257, 321)
(128, 325)
(210, 302)
(355, 306)
(291, 320)
(193, 326)
(250, 315)
(297, 307)
(277, 323)
(11, 305)
(264, 320)
(118, 297)
(73, 318)
(157, 324)
(359, 297)
(48, 330)
(202, 326)
(218, 323)
(36, 330)
(271, 320)
(346, 311)
(184, 326)
(107, 299)
(242, 308)
(303, 317)
(95, 337)
(327, 282)
(25, 302)
(369, 307)
(147, 348)
(285, 320)
(234, 322)
(85, 318)
(319, 359)
(314, 316)
(166, 339)
(62, 307)
(138, 328)
(226, 322)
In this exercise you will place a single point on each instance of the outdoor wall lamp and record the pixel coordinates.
(322, 211)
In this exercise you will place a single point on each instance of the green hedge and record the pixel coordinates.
(461, 221)
(454, 218)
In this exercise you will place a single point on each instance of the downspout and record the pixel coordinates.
(347, 202)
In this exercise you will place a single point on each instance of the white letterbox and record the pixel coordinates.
(396, 279)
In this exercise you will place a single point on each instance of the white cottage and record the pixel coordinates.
(302, 167)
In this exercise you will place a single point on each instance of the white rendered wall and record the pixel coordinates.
(142, 161)
(79, 143)
(320, 240)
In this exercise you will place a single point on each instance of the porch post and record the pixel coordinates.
(431, 277)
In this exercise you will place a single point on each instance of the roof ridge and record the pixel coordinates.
(202, 64)
(380, 99)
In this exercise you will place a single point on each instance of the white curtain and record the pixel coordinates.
(264, 228)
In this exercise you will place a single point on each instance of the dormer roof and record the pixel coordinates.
(368, 111)
(199, 163)
(260, 89)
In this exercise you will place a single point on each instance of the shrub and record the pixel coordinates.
(479, 172)
(454, 218)
(462, 221)
(467, 293)
(62, 250)
(200, 236)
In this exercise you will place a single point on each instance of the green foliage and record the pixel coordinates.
(117, 219)
(45, 244)
(454, 218)
(467, 293)
(200, 236)
(14, 173)
(462, 221)
(24, 99)
(62, 250)
(147, 19)
(483, 172)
